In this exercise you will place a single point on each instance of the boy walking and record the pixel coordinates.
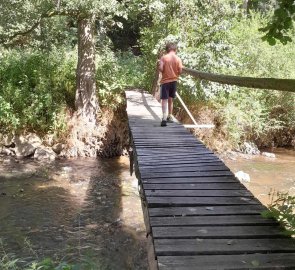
(171, 67)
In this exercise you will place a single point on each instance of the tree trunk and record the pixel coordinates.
(261, 83)
(246, 4)
(86, 101)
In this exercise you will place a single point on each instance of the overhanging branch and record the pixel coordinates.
(287, 85)
(47, 14)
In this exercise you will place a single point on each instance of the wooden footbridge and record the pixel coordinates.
(197, 214)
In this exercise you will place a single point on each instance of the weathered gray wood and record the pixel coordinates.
(217, 232)
(179, 247)
(187, 180)
(207, 210)
(250, 82)
(152, 259)
(284, 261)
(180, 162)
(209, 220)
(198, 193)
(198, 201)
(199, 186)
(186, 169)
(200, 173)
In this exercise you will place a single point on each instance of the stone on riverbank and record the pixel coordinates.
(249, 148)
(25, 145)
(269, 155)
(58, 147)
(242, 176)
(44, 154)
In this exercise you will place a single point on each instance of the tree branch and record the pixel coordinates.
(261, 83)
(47, 14)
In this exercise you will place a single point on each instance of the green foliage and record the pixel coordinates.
(250, 114)
(282, 208)
(116, 72)
(216, 36)
(35, 88)
(279, 26)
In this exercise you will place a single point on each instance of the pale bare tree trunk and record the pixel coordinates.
(246, 6)
(86, 101)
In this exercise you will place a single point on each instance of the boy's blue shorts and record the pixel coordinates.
(168, 90)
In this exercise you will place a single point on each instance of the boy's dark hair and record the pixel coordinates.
(171, 47)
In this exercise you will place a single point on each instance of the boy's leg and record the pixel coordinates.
(164, 100)
(172, 95)
(164, 108)
(170, 106)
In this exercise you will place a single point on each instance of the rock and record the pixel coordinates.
(249, 148)
(21, 190)
(269, 155)
(26, 145)
(48, 139)
(58, 147)
(6, 151)
(67, 169)
(44, 154)
(7, 140)
(242, 176)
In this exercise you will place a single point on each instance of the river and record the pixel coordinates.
(267, 175)
(89, 209)
(72, 210)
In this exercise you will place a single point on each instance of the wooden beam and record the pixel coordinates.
(287, 85)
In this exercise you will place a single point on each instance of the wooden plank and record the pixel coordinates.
(198, 193)
(176, 160)
(210, 220)
(153, 264)
(217, 232)
(230, 262)
(192, 186)
(207, 211)
(172, 152)
(200, 173)
(178, 151)
(172, 163)
(163, 169)
(198, 201)
(169, 247)
(189, 180)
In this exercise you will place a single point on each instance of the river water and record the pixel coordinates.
(72, 210)
(89, 209)
(267, 175)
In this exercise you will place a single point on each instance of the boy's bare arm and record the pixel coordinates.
(180, 67)
(161, 65)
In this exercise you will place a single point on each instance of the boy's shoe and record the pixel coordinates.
(163, 123)
(170, 119)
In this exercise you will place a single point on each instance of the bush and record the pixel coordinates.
(35, 89)
(282, 208)
(116, 72)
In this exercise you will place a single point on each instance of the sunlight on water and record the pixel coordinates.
(267, 174)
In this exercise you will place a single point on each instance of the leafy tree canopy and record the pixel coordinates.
(20, 17)
(281, 23)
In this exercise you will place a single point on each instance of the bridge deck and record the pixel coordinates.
(197, 214)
